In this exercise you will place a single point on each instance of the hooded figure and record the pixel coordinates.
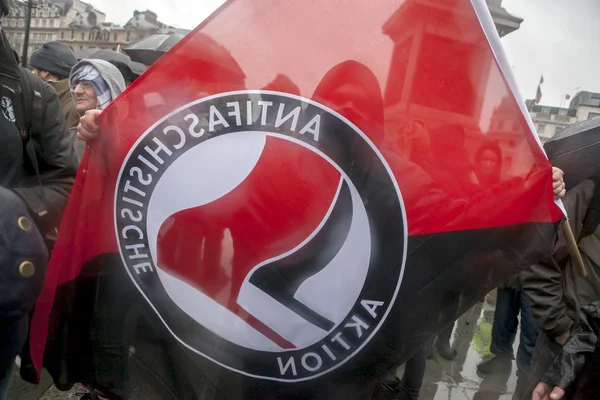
(94, 84)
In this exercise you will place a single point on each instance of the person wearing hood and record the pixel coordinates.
(94, 84)
(53, 63)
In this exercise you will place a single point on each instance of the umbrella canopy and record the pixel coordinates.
(85, 53)
(150, 49)
(110, 55)
(576, 150)
(137, 68)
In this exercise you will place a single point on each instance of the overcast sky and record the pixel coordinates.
(559, 39)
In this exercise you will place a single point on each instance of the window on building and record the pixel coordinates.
(72, 33)
(541, 128)
(115, 37)
(546, 110)
(558, 129)
(595, 101)
(82, 35)
(562, 112)
(593, 115)
(128, 36)
(62, 35)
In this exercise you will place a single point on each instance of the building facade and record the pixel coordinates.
(549, 121)
(77, 24)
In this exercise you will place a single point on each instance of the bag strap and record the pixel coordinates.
(592, 216)
(30, 116)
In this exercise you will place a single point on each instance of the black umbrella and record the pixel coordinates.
(150, 49)
(576, 150)
(110, 55)
(85, 53)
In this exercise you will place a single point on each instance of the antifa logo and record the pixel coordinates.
(265, 230)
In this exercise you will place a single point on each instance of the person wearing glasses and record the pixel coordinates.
(94, 84)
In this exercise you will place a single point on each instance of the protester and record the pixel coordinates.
(556, 289)
(511, 301)
(94, 84)
(575, 372)
(34, 186)
(53, 63)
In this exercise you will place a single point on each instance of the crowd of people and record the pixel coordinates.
(55, 107)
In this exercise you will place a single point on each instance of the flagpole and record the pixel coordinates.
(573, 248)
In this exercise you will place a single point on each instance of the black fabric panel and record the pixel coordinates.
(445, 274)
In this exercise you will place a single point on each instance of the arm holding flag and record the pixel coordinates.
(544, 281)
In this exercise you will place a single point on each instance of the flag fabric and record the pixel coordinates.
(293, 200)
(538, 94)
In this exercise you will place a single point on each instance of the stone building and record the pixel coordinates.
(79, 25)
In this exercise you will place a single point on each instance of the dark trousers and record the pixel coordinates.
(414, 371)
(12, 338)
(509, 304)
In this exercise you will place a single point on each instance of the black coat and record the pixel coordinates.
(577, 368)
(53, 146)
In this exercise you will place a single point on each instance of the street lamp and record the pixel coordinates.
(26, 40)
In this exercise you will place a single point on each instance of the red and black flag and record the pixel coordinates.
(293, 200)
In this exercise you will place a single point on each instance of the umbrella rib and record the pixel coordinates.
(579, 149)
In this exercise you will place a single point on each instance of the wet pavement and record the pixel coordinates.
(444, 380)
(458, 379)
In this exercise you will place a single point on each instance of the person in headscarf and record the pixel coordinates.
(94, 84)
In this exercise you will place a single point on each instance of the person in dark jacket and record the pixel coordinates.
(53, 63)
(38, 196)
(574, 373)
(557, 291)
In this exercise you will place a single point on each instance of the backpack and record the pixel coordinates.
(30, 110)
(29, 114)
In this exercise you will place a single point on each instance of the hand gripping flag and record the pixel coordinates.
(292, 201)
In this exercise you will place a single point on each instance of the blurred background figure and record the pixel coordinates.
(52, 63)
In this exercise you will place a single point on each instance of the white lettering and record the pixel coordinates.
(358, 324)
(329, 353)
(313, 127)
(142, 267)
(138, 171)
(314, 368)
(291, 363)
(338, 338)
(249, 112)
(131, 201)
(148, 163)
(130, 213)
(161, 147)
(193, 125)
(294, 114)
(129, 187)
(179, 131)
(132, 228)
(264, 107)
(136, 248)
(216, 119)
(236, 112)
(371, 306)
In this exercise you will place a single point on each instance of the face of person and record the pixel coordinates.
(85, 97)
(45, 75)
(489, 163)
